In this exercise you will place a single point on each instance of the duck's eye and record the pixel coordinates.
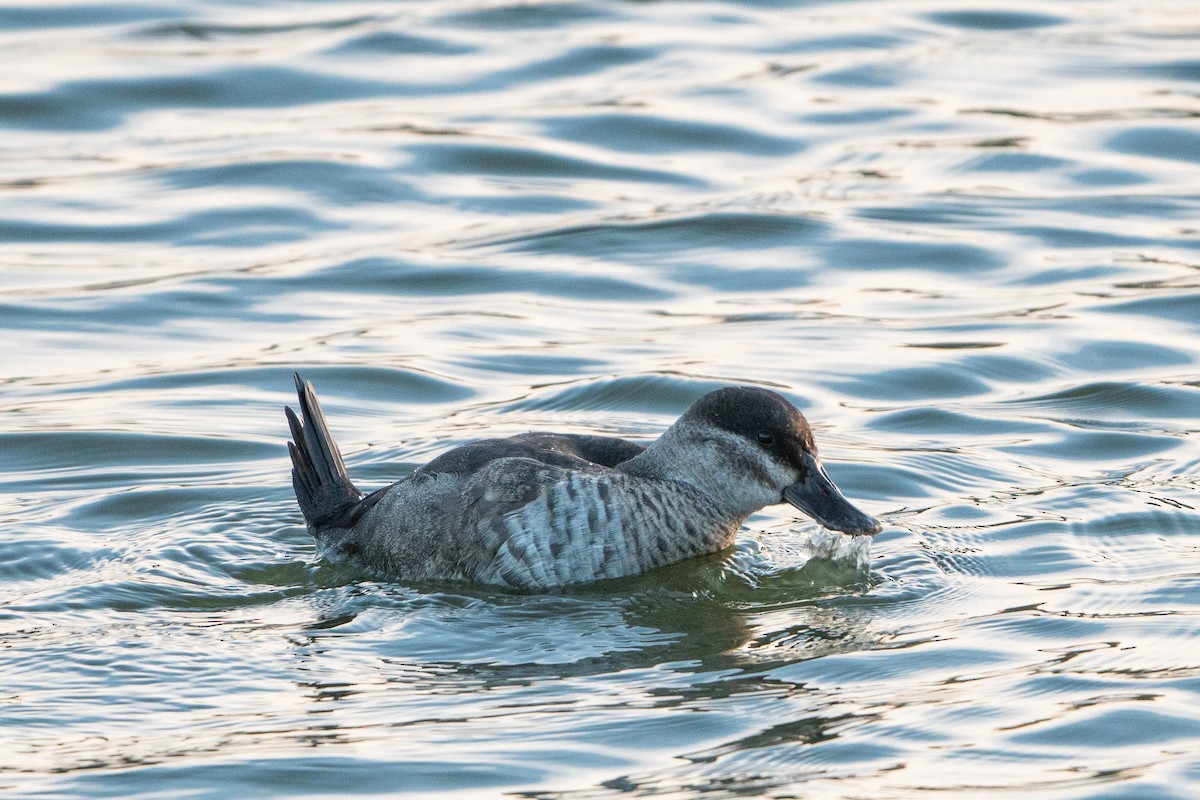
(765, 437)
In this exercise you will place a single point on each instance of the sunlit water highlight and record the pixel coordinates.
(964, 238)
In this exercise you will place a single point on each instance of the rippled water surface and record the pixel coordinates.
(964, 237)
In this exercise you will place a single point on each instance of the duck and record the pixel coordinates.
(540, 510)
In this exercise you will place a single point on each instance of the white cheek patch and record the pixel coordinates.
(747, 474)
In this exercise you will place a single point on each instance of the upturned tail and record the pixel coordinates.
(323, 489)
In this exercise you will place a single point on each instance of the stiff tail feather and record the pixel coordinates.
(323, 489)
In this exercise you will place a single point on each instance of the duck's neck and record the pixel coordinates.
(699, 458)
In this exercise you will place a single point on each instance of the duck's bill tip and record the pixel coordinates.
(869, 527)
(818, 497)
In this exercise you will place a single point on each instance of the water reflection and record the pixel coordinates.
(647, 650)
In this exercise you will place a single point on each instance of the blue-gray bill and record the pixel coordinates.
(819, 497)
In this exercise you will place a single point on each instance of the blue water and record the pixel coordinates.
(964, 237)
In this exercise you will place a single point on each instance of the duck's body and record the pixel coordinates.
(542, 510)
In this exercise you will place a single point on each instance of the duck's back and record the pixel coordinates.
(557, 449)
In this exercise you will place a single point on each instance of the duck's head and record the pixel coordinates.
(762, 447)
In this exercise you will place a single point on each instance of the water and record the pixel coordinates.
(964, 237)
